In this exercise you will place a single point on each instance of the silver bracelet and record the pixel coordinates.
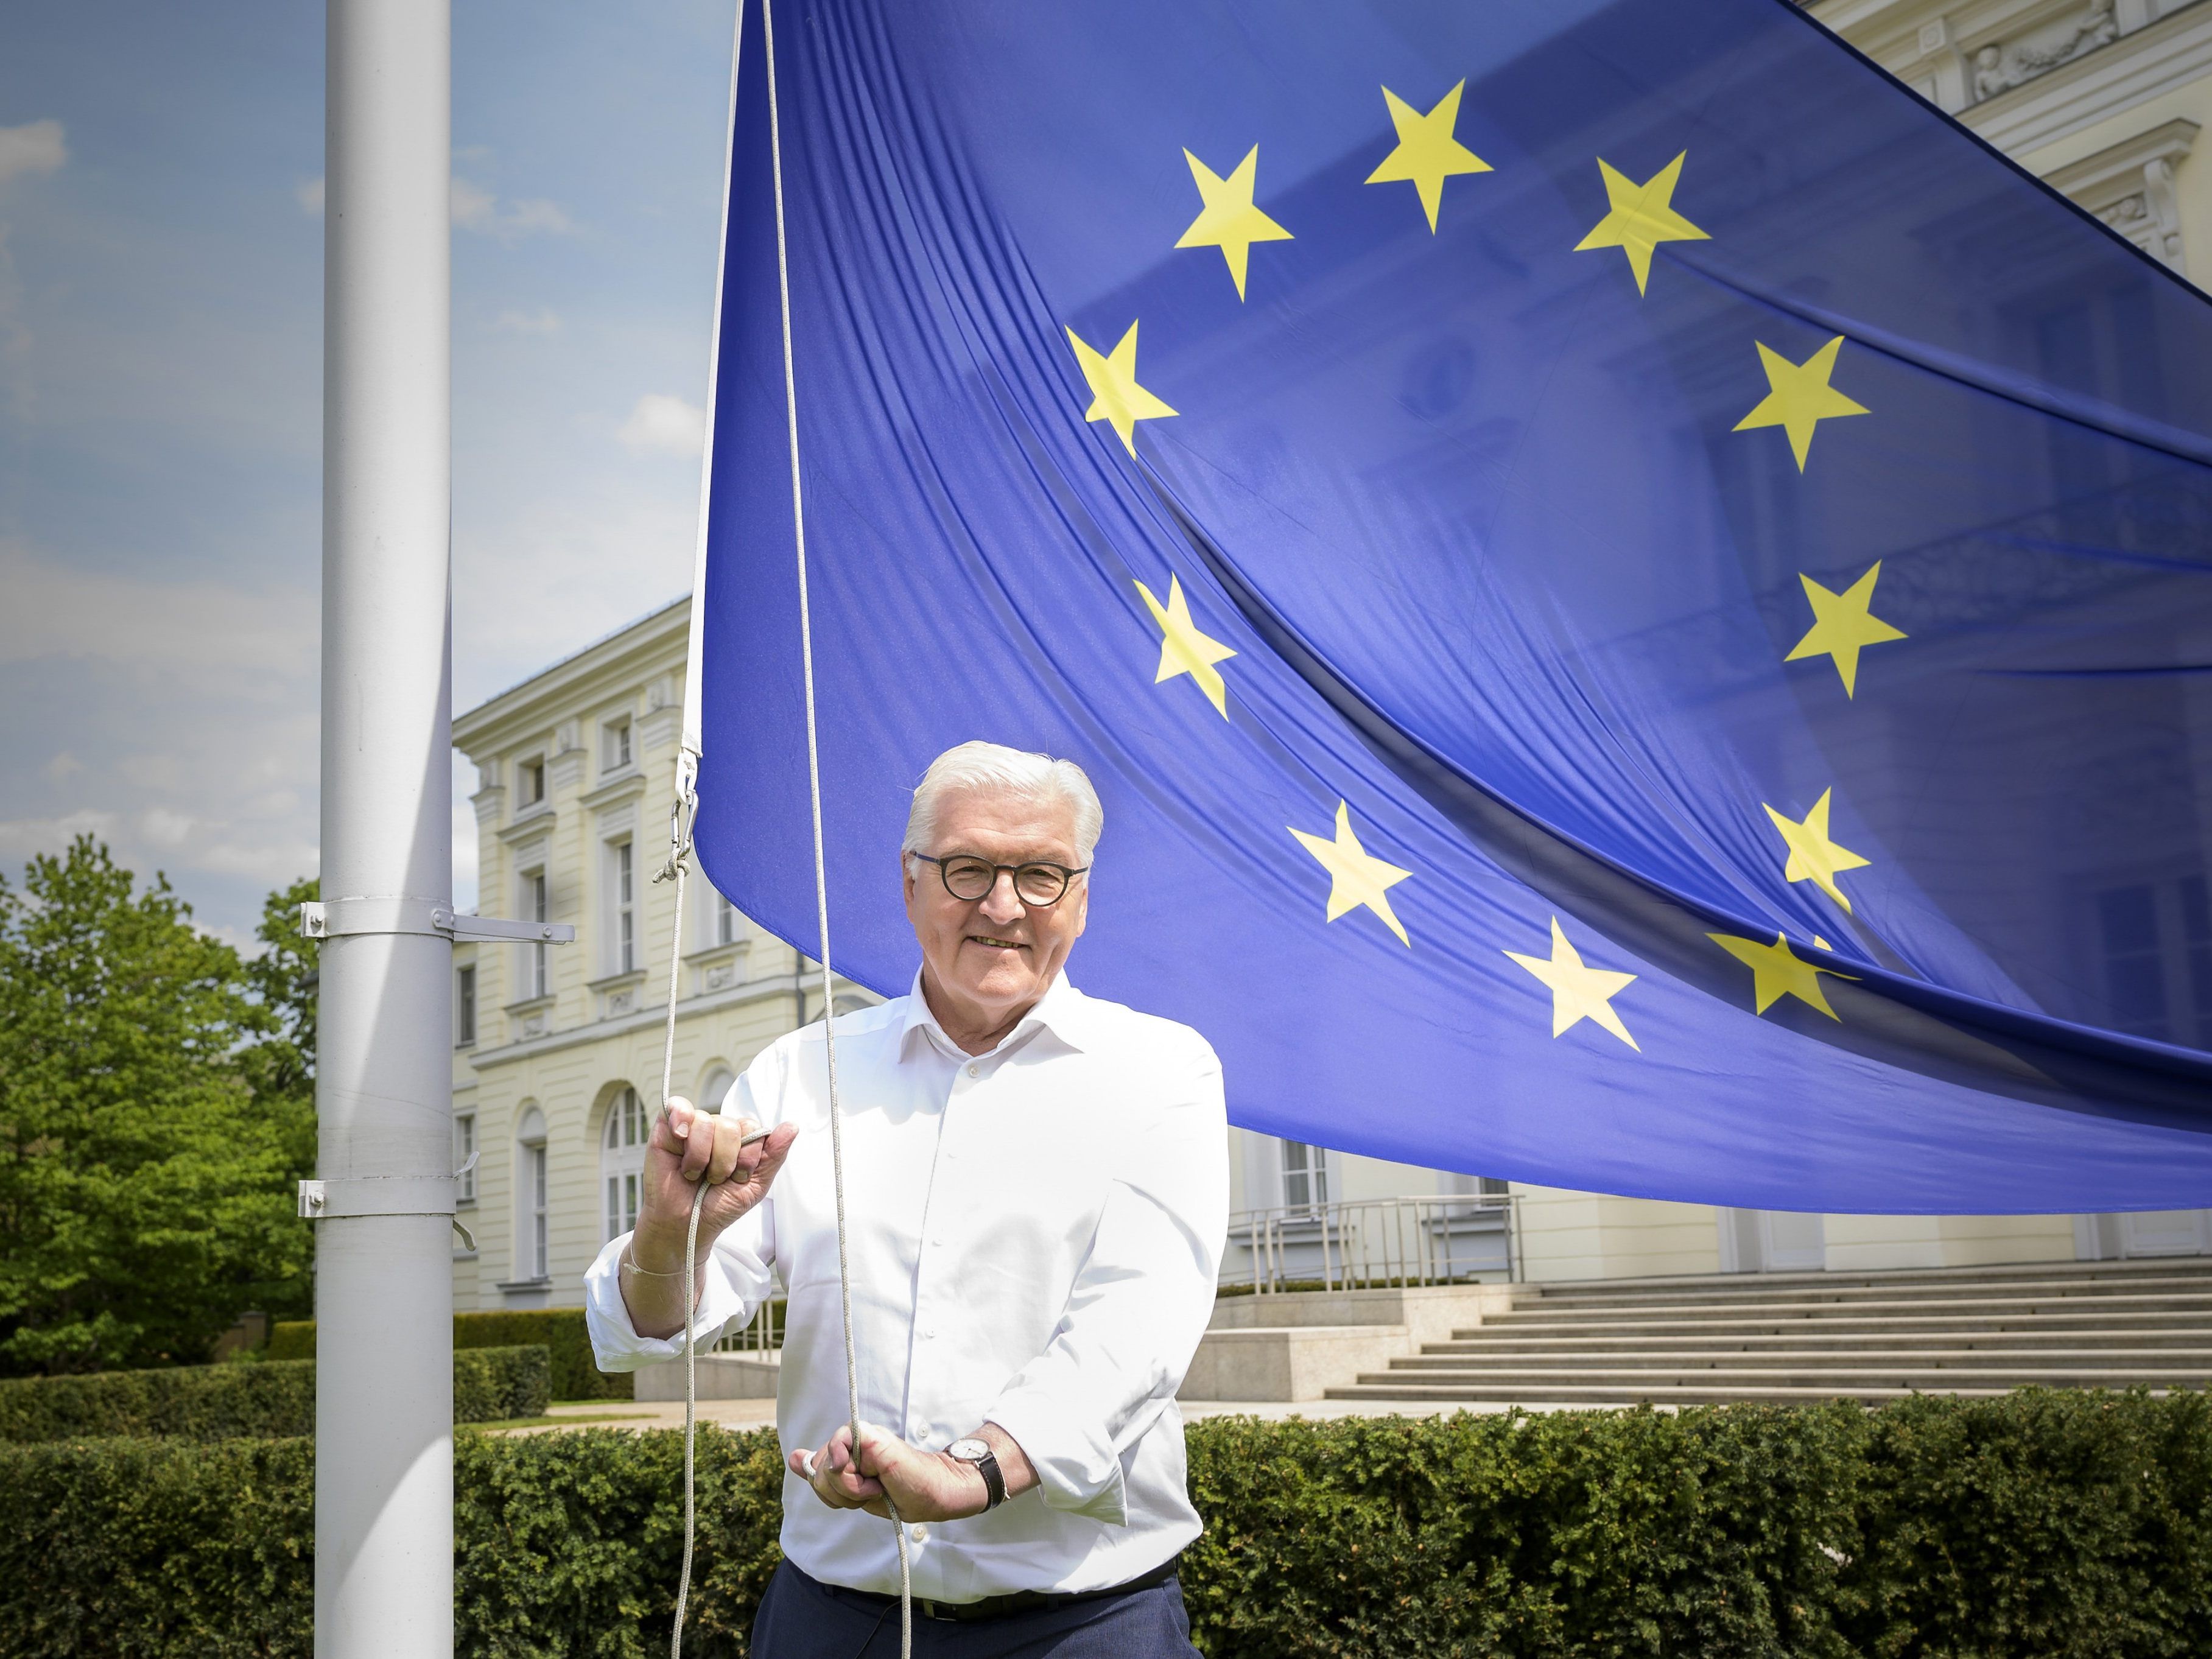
(628, 1260)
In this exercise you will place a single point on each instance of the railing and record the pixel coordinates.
(1364, 1244)
(762, 1334)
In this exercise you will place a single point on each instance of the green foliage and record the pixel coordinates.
(2042, 1523)
(158, 1547)
(577, 1375)
(493, 1384)
(145, 1189)
(270, 1401)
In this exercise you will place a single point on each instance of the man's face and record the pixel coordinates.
(990, 958)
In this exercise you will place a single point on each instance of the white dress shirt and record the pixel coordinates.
(1034, 1233)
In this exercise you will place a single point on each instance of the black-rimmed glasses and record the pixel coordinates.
(968, 878)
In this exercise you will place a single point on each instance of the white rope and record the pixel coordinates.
(679, 848)
(821, 876)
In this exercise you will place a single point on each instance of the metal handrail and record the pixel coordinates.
(1369, 1241)
(762, 1334)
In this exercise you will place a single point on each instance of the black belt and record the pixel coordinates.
(997, 1607)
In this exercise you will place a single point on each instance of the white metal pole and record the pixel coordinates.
(384, 1516)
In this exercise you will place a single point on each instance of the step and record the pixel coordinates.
(1764, 1321)
(2128, 1301)
(2162, 1267)
(1824, 1340)
(2195, 1362)
(1924, 1379)
(1584, 1393)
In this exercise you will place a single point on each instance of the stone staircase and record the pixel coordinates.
(1796, 1337)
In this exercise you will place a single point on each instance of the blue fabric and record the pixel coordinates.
(801, 1617)
(1516, 564)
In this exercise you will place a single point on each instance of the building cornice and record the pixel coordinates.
(549, 694)
(644, 1019)
(2171, 52)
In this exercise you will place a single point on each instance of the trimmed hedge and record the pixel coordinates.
(577, 1375)
(2043, 1523)
(267, 1401)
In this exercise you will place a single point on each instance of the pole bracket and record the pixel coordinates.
(399, 914)
(325, 1200)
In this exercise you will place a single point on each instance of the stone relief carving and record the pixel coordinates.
(1998, 68)
(721, 977)
(621, 1002)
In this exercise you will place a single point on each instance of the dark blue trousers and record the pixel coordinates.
(801, 1617)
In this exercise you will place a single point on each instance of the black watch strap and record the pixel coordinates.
(994, 1482)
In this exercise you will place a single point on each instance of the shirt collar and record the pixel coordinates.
(1063, 1011)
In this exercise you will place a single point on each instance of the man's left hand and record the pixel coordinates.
(927, 1485)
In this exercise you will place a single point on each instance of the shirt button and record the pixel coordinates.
(974, 1071)
(920, 1533)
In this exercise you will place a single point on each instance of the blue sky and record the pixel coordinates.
(160, 287)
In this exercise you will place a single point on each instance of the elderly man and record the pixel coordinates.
(1036, 1189)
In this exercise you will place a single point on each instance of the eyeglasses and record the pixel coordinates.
(968, 878)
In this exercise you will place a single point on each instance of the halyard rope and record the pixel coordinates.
(814, 796)
(681, 840)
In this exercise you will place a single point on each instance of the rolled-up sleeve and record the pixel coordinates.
(1139, 1303)
(735, 1278)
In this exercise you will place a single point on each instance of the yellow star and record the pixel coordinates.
(1427, 154)
(1578, 992)
(1642, 216)
(1183, 649)
(1229, 221)
(1843, 626)
(1115, 397)
(1813, 856)
(1354, 878)
(1779, 971)
(1799, 396)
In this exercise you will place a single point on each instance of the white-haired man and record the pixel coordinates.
(1036, 1189)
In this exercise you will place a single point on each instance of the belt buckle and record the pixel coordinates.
(929, 1608)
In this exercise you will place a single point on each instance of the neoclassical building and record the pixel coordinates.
(557, 1053)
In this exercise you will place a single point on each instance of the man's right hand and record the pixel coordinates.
(687, 1145)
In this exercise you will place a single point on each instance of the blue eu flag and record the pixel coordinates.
(1640, 602)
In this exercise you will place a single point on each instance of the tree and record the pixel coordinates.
(153, 1111)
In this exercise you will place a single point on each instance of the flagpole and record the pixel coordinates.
(383, 1517)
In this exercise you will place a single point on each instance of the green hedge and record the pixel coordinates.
(577, 1375)
(2044, 1524)
(267, 1401)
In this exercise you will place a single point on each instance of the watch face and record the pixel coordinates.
(968, 1451)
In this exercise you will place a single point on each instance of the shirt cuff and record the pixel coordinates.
(615, 1344)
(1077, 1472)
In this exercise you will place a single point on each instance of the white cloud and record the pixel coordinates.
(54, 612)
(474, 208)
(34, 147)
(543, 320)
(20, 837)
(666, 425)
(60, 767)
(163, 827)
(308, 193)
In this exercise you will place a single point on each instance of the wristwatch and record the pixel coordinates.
(979, 1453)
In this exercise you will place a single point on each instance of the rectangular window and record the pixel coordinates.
(1305, 1175)
(465, 1151)
(625, 928)
(535, 1156)
(614, 745)
(533, 909)
(465, 1006)
(726, 922)
(529, 782)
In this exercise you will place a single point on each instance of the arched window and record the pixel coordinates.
(622, 1161)
(532, 1191)
(713, 1093)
